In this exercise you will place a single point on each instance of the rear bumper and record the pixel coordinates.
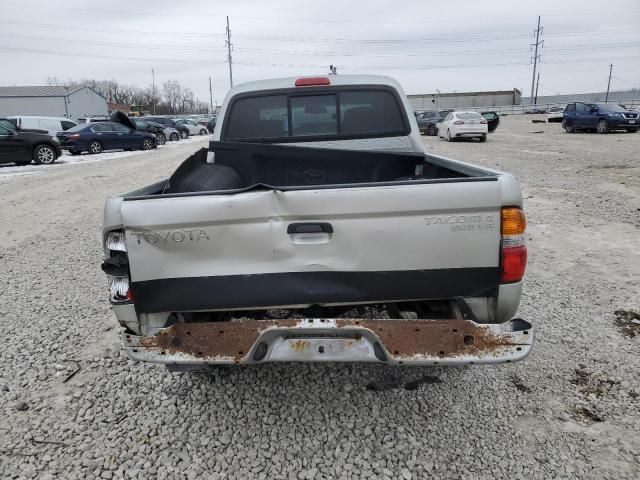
(405, 342)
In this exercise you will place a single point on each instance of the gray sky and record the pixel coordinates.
(455, 45)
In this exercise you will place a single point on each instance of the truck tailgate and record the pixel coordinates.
(267, 248)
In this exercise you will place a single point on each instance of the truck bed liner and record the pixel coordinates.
(240, 166)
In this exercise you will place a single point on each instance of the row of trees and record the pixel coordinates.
(169, 98)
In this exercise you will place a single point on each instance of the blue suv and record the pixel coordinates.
(599, 117)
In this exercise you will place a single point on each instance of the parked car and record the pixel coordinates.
(167, 122)
(170, 133)
(52, 125)
(463, 125)
(555, 114)
(391, 228)
(151, 127)
(493, 120)
(99, 136)
(22, 146)
(194, 128)
(428, 121)
(599, 117)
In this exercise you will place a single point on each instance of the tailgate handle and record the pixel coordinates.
(315, 227)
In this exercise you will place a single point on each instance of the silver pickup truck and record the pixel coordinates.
(316, 228)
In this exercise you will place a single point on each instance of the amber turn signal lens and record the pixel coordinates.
(513, 221)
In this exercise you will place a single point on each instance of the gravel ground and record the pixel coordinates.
(75, 407)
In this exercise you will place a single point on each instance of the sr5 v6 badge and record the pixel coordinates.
(177, 236)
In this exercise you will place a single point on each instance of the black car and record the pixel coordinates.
(493, 120)
(427, 122)
(167, 122)
(151, 127)
(22, 146)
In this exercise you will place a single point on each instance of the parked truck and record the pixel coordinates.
(316, 228)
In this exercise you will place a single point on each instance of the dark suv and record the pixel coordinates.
(598, 117)
(427, 122)
(167, 122)
(22, 146)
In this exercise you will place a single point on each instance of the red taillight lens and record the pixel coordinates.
(514, 263)
(458, 122)
(73, 135)
(484, 122)
(514, 252)
(312, 81)
(129, 295)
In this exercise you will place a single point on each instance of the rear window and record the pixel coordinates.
(469, 116)
(291, 116)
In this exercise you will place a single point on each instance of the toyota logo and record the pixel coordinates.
(313, 176)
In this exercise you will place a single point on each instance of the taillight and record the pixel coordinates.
(312, 81)
(458, 122)
(116, 266)
(484, 122)
(72, 135)
(514, 251)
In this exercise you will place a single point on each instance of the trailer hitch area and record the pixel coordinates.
(409, 342)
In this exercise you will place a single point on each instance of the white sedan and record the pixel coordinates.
(194, 128)
(555, 114)
(463, 124)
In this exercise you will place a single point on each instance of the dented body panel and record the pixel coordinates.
(430, 236)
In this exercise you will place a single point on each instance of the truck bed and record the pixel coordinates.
(234, 167)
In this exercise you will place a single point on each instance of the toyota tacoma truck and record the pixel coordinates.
(315, 227)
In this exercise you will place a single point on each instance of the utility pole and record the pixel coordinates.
(535, 100)
(229, 45)
(153, 89)
(609, 83)
(535, 59)
(210, 95)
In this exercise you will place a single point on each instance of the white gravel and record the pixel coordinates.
(571, 410)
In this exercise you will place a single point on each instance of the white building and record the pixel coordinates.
(52, 101)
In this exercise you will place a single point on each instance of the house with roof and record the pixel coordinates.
(52, 101)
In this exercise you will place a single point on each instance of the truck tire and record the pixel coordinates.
(44, 155)
(603, 126)
(95, 147)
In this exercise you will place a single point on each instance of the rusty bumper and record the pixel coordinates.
(407, 342)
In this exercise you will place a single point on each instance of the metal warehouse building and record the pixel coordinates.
(52, 101)
(458, 100)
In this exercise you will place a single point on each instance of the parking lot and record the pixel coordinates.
(75, 407)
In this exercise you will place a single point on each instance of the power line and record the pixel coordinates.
(93, 55)
(307, 20)
(111, 30)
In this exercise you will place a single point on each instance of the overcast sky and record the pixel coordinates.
(454, 45)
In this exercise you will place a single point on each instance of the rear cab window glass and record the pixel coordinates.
(314, 115)
(330, 114)
(258, 117)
